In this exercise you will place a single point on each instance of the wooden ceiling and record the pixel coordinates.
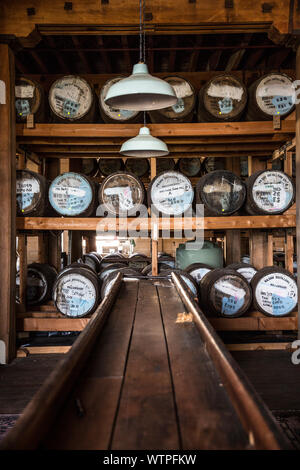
(108, 54)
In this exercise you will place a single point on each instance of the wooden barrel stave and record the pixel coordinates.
(183, 110)
(221, 192)
(121, 193)
(72, 99)
(275, 291)
(223, 98)
(225, 292)
(73, 194)
(76, 292)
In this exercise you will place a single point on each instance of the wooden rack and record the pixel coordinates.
(257, 140)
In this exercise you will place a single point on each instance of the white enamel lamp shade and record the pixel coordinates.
(141, 92)
(144, 145)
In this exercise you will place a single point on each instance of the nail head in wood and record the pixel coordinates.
(68, 6)
(229, 4)
(30, 11)
(267, 7)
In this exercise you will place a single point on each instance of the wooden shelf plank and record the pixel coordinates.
(104, 224)
(158, 130)
(245, 323)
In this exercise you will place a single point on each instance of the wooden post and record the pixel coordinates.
(289, 251)
(22, 251)
(53, 242)
(154, 242)
(8, 205)
(233, 237)
(298, 184)
(75, 164)
(258, 249)
(233, 246)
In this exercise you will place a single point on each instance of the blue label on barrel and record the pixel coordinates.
(79, 306)
(22, 107)
(283, 104)
(25, 200)
(70, 194)
(231, 305)
(70, 108)
(282, 305)
(225, 105)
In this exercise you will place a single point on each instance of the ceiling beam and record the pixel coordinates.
(62, 63)
(81, 54)
(104, 55)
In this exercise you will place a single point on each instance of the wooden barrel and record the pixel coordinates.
(121, 193)
(191, 284)
(275, 291)
(198, 270)
(223, 98)
(225, 292)
(147, 271)
(269, 192)
(90, 167)
(221, 192)
(113, 115)
(108, 283)
(189, 166)
(29, 99)
(110, 268)
(73, 194)
(246, 270)
(183, 110)
(107, 166)
(31, 194)
(76, 291)
(138, 261)
(269, 96)
(138, 166)
(213, 163)
(40, 280)
(71, 99)
(171, 193)
(164, 164)
(93, 260)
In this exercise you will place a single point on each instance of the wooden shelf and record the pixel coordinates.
(209, 223)
(189, 139)
(255, 321)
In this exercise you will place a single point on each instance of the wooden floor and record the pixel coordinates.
(147, 336)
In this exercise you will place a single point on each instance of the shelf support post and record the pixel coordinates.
(8, 209)
(298, 184)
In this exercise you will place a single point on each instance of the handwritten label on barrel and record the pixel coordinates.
(75, 295)
(122, 196)
(275, 95)
(272, 191)
(276, 294)
(70, 97)
(172, 193)
(70, 194)
(248, 273)
(26, 189)
(228, 295)
(199, 273)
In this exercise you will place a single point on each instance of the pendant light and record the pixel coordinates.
(141, 91)
(144, 145)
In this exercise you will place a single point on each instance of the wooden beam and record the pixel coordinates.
(8, 207)
(210, 223)
(91, 17)
(158, 130)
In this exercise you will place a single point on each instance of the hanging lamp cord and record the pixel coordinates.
(142, 32)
